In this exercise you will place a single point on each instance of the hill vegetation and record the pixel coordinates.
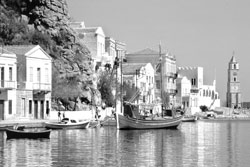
(46, 23)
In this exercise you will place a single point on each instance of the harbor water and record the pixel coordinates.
(203, 143)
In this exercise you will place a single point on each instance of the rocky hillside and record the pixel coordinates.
(51, 19)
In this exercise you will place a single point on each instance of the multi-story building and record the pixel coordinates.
(164, 73)
(141, 77)
(34, 71)
(8, 84)
(192, 93)
(233, 85)
(94, 39)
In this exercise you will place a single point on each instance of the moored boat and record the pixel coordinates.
(126, 122)
(67, 123)
(132, 120)
(189, 118)
(35, 134)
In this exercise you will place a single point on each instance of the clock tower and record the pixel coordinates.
(233, 84)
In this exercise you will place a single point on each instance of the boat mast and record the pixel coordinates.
(161, 80)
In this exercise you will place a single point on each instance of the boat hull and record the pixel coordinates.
(27, 134)
(56, 125)
(133, 123)
(189, 119)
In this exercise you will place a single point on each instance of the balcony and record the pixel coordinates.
(171, 91)
(42, 86)
(7, 84)
(172, 75)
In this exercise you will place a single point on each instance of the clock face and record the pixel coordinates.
(235, 88)
(234, 73)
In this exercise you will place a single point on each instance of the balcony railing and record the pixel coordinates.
(7, 84)
(42, 86)
(172, 75)
(171, 91)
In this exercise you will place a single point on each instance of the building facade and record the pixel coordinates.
(233, 85)
(165, 73)
(8, 84)
(34, 71)
(141, 77)
(193, 93)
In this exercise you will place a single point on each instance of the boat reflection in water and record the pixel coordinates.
(204, 143)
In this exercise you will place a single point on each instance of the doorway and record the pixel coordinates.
(23, 107)
(36, 109)
(42, 110)
(1, 109)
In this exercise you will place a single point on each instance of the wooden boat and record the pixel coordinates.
(126, 122)
(189, 118)
(129, 117)
(15, 133)
(67, 123)
(132, 120)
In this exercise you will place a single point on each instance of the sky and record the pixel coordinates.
(204, 33)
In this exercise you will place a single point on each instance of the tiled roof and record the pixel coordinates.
(130, 68)
(87, 30)
(146, 51)
(144, 56)
(19, 49)
(3, 50)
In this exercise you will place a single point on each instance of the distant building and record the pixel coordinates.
(8, 84)
(233, 85)
(192, 92)
(169, 73)
(103, 49)
(34, 75)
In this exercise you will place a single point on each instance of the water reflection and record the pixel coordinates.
(25, 152)
(194, 144)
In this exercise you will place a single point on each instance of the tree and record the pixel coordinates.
(65, 88)
(106, 85)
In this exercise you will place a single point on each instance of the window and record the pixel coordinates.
(31, 74)
(30, 106)
(235, 79)
(158, 86)
(10, 106)
(193, 81)
(10, 74)
(2, 76)
(38, 75)
(47, 75)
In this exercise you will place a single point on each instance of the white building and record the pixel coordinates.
(94, 39)
(141, 77)
(34, 72)
(192, 93)
(8, 84)
(169, 73)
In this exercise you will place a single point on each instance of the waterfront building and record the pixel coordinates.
(169, 73)
(233, 84)
(34, 75)
(8, 84)
(140, 77)
(193, 93)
